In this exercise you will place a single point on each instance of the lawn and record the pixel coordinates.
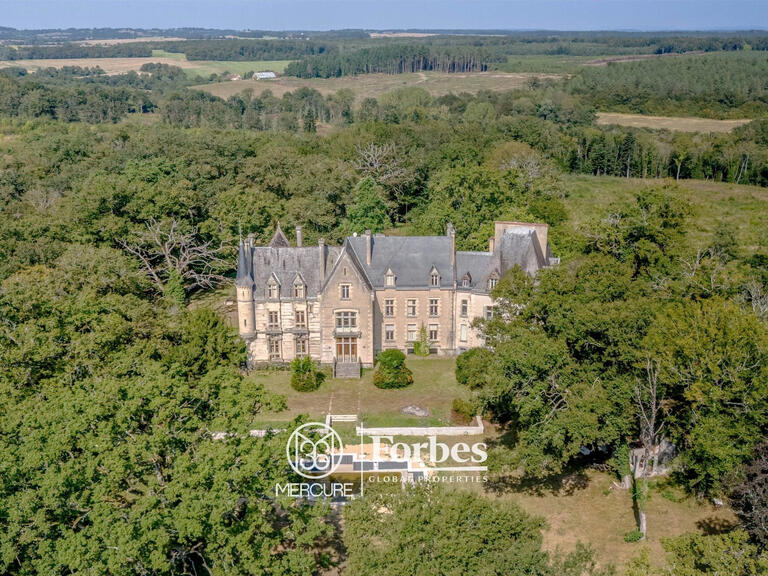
(433, 389)
(586, 506)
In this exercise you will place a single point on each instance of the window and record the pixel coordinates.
(389, 332)
(245, 322)
(412, 333)
(433, 306)
(411, 308)
(301, 319)
(274, 319)
(492, 283)
(298, 290)
(389, 279)
(433, 332)
(301, 346)
(274, 348)
(346, 320)
(488, 312)
(434, 279)
(464, 308)
(346, 348)
(389, 307)
(272, 290)
(463, 333)
(466, 281)
(344, 291)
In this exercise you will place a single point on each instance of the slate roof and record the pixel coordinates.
(410, 258)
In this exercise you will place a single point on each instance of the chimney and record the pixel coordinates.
(491, 244)
(299, 236)
(451, 233)
(321, 246)
(368, 247)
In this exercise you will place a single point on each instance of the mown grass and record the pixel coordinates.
(205, 68)
(433, 389)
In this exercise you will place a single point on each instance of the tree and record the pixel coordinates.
(698, 555)
(305, 376)
(749, 495)
(421, 346)
(368, 210)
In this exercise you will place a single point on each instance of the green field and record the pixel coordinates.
(434, 389)
(207, 67)
(745, 208)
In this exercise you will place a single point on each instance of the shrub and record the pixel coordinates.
(421, 346)
(391, 371)
(472, 367)
(633, 536)
(305, 375)
(464, 408)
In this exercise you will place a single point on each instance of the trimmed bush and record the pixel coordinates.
(464, 409)
(472, 367)
(391, 371)
(305, 376)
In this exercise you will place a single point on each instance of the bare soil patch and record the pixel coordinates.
(678, 124)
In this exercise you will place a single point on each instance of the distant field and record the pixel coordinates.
(122, 65)
(679, 124)
(114, 41)
(374, 85)
(745, 208)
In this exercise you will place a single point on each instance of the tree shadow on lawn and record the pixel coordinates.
(713, 526)
(565, 484)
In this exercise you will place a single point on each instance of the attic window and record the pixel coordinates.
(298, 290)
(466, 281)
(389, 279)
(272, 291)
(434, 278)
(492, 282)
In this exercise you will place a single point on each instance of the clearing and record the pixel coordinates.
(374, 85)
(744, 208)
(678, 124)
(193, 68)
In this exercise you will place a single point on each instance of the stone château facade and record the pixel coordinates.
(341, 305)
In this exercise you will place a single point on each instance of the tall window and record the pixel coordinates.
(274, 319)
(464, 308)
(274, 348)
(389, 332)
(301, 346)
(346, 320)
(465, 282)
(389, 307)
(492, 283)
(272, 290)
(298, 290)
(434, 279)
(344, 291)
(463, 333)
(488, 312)
(411, 308)
(433, 306)
(389, 279)
(412, 333)
(301, 319)
(433, 332)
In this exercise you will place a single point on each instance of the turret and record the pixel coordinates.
(244, 285)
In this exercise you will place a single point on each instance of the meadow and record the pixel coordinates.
(673, 123)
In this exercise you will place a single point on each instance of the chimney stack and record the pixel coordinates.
(491, 244)
(321, 246)
(368, 247)
(451, 233)
(299, 236)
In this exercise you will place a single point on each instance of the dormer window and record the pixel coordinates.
(389, 279)
(272, 290)
(466, 281)
(434, 278)
(298, 289)
(492, 281)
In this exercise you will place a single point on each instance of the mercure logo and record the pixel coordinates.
(314, 459)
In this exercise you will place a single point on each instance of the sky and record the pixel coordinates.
(389, 14)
